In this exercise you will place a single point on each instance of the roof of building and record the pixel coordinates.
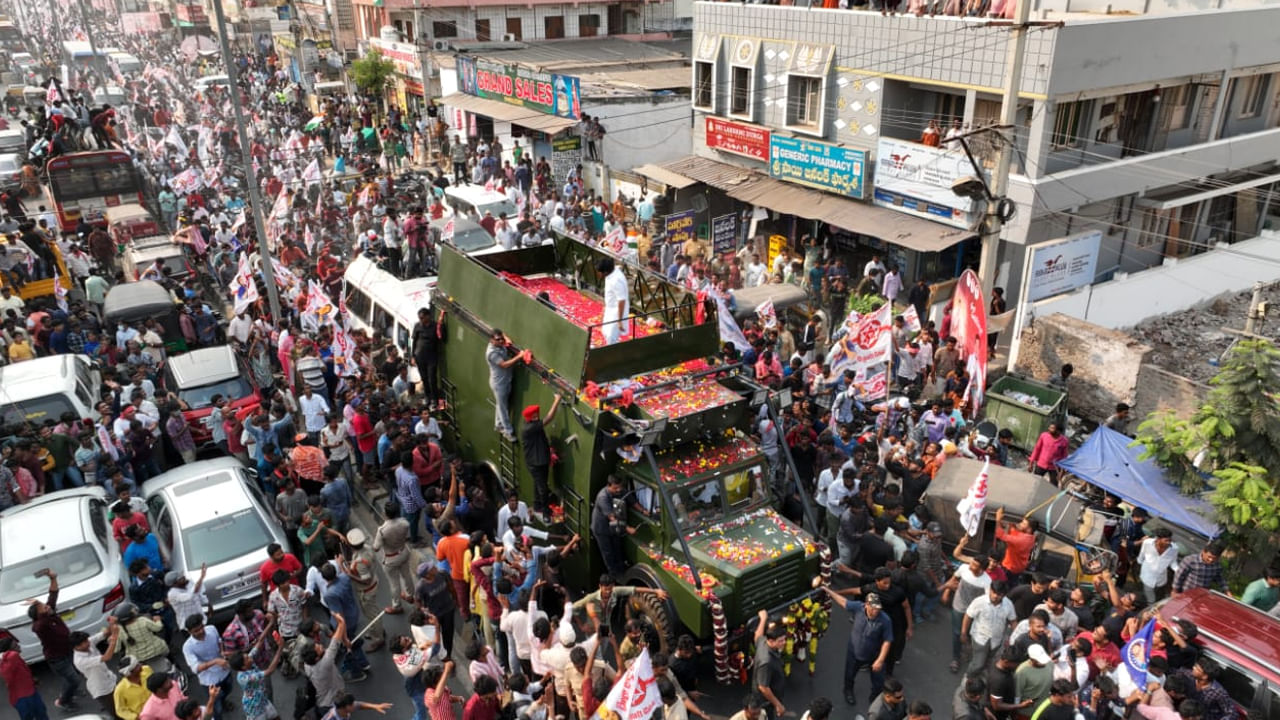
(583, 54)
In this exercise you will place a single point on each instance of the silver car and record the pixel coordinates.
(68, 532)
(212, 512)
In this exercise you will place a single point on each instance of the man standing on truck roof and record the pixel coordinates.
(609, 524)
(617, 302)
(537, 451)
(500, 380)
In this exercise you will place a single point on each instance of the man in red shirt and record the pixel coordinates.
(278, 560)
(1051, 448)
(366, 438)
(124, 517)
(428, 462)
(1105, 655)
(483, 703)
(452, 548)
(1019, 541)
(18, 680)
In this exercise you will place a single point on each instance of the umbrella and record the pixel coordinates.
(368, 133)
(314, 123)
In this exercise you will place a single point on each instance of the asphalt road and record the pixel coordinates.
(923, 672)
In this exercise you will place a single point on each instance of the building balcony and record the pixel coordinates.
(1143, 173)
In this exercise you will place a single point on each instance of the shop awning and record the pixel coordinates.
(664, 176)
(756, 188)
(524, 117)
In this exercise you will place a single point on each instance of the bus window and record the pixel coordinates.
(402, 339)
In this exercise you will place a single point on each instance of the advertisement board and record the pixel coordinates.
(818, 165)
(1063, 265)
(916, 179)
(737, 138)
(679, 227)
(403, 55)
(518, 85)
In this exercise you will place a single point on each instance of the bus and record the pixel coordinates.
(11, 38)
(85, 184)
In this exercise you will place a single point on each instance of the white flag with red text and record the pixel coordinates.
(974, 502)
(635, 695)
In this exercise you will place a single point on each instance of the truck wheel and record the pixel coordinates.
(658, 618)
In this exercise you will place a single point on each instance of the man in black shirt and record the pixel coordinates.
(1002, 687)
(537, 451)
(1025, 598)
(873, 551)
(609, 524)
(1060, 705)
(894, 598)
(428, 334)
(1078, 603)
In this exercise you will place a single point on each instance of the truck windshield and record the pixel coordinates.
(699, 504)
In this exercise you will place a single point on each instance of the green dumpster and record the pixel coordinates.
(1025, 407)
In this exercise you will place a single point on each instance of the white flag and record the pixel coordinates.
(175, 139)
(244, 291)
(635, 695)
(974, 502)
(911, 318)
(447, 232)
(768, 316)
(312, 173)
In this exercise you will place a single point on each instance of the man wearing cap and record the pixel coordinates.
(186, 599)
(1034, 676)
(987, 621)
(537, 451)
(392, 539)
(870, 637)
(364, 582)
(131, 693)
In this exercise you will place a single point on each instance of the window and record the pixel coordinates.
(1252, 92)
(1179, 101)
(704, 86)
(224, 538)
(515, 28)
(358, 304)
(741, 89)
(444, 29)
(554, 27)
(588, 25)
(482, 30)
(1069, 124)
(804, 101)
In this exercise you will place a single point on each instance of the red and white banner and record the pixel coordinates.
(344, 348)
(867, 341)
(447, 232)
(767, 314)
(911, 318)
(969, 327)
(974, 502)
(873, 388)
(186, 182)
(614, 241)
(244, 291)
(635, 695)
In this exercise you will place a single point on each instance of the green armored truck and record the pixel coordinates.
(681, 432)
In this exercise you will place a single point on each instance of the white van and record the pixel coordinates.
(474, 200)
(125, 62)
(44, 388)
(383, 305)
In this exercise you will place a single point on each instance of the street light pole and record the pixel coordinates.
(255, 200)
(88, 33)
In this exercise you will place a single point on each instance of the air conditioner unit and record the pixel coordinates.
(508, 37)
(442, 45)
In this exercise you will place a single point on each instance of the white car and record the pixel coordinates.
(10, 171)
(203, 83)
(66, 531)
(212, 512)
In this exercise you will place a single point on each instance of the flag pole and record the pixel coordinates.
(255, 200)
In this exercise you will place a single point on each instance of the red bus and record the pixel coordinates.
(85, 184)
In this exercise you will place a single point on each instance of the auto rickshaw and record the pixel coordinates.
(134, 302)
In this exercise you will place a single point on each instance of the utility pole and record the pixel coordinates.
(98, 64)
(993, 224)
(255, 199)
(1251, 320)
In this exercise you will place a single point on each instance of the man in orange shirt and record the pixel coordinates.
(1019, 541)
(452, 548)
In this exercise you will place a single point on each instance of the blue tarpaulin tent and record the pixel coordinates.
(1107, 461)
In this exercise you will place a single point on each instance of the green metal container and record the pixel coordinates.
(1026, 421)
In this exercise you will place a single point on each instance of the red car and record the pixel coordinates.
(1243, 640)
(198, 375)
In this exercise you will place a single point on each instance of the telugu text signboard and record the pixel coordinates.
(1060, 266)
(746, 140)
(537, 90)
(679, 227)
(724, 233)
(916, 179)
(818, 165)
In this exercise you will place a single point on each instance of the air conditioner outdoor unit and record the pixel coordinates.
(442, 45)
(508, 37)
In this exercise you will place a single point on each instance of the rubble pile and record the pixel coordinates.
(1191, 342)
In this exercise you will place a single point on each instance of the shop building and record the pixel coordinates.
(539, 93)
(1158, 130)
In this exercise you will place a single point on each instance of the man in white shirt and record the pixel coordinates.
(755, 272)
(873, 267)
(1156, 556)
(514, 536)
(617, 300)
(239, 328)
(187, 599)
(987, 621)
(315, 410)
(514, 507)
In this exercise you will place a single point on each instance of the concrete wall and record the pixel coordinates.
(1130, 299)
(1159, 389)
(1139, 7)
(642, 131)
(1107, 363)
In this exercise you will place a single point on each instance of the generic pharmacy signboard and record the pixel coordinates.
(916, 179)
(1060, 266)
(819, 165)
(540, 91)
